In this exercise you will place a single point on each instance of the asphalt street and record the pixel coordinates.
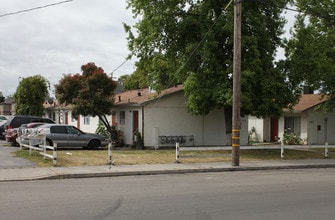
(299, 194)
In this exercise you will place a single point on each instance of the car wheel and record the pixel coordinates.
(94, 144)
(49, 142)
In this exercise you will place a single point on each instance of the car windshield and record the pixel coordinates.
(73, 130)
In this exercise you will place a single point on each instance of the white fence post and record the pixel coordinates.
(44, 146)
(326, 149)
(55, 154)
(44, 151)
(110, 161)
(177, 152)
(30, 144)
(282, 150)
(37, 142)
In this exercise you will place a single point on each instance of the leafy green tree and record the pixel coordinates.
(30, 95)
(89, 93)
(191, 42)
(134, 81)
(311, 50)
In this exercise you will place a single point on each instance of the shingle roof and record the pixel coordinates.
(307, 101)
(142, 96)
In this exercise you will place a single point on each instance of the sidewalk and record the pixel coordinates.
(33, 173)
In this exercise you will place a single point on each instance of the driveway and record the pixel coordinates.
(8, 160)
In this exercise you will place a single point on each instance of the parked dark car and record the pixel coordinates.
(2, 129)
(70, 136)
(15, 122)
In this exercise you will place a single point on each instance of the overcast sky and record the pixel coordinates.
(57, 40)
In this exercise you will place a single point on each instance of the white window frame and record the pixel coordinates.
(87, 120)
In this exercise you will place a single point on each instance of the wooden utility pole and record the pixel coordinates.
(236, 126)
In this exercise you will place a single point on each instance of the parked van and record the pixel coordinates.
(16, 121)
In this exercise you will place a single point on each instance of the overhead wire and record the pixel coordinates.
(304, 12)
(35, 8)
(119, 66)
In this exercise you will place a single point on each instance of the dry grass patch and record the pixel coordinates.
(161, 156)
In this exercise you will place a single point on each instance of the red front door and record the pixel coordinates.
(135, 121)
(274, 130)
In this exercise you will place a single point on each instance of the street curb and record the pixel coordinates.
(180, 171)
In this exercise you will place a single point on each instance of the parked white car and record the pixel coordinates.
(3, 118)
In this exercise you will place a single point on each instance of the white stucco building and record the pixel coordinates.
(313, 127)
(162, 119)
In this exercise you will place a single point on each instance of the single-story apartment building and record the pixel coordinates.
(313, 127)
(162, 119)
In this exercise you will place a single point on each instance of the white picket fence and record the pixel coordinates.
(36, 142)
(227, 148)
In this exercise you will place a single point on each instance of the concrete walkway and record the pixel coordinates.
(33, 173)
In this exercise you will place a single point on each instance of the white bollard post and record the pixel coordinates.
(177, 152)
(282, 150)
(326, 149)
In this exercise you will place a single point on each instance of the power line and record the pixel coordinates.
(126, 60)
(36, 8)
(305, 12)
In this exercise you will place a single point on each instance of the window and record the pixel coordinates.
(87, 120)
(122, 117)
(73, 130)
(58, 130)
(292, 124)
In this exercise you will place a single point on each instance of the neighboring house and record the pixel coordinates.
(313, 127)
(162, 119)
(63, 115)
(5, 108)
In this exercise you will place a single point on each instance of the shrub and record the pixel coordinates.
(291, 138)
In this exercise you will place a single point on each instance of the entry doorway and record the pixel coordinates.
(135, 122)
(274, 130)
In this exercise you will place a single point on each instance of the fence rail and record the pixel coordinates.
(258, 147)
(29, 138)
